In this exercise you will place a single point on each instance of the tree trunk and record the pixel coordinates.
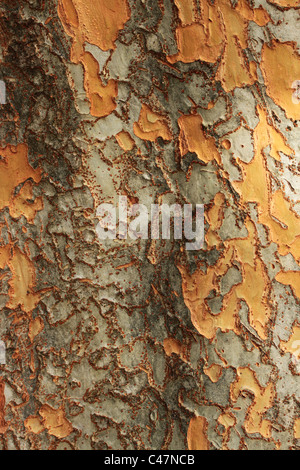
(143, 344)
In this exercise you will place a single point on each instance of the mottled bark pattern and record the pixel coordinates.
(126, 344)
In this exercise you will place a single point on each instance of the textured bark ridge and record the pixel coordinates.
(123, 344)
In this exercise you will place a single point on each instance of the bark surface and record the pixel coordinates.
(123, 344)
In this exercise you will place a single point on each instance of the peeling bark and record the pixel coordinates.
(140, 344)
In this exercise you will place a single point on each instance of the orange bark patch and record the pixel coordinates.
(151, 125)
(102, 97)
(125, 141)
(254, 291)
(292, 346)
(226, 144)
(255, 184)
(36, 326)
(198, 39)
(193, 139)
(297, 429)
(22, 285)
(5, 255)
(228, 421)
(281, 68)
(274, 210)
(55, 421)
(187, 11)
(172, 346)
(290, 278)
(219, 30)
(98, 22)
(14, 171)
(197, 434)
(262, 401)
(197, 286)
(34, 424)
(214, 372)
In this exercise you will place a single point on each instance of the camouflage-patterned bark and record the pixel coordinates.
(141, 344)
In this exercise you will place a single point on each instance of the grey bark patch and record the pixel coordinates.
(2, 353)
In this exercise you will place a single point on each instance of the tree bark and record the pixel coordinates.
(142, 344)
